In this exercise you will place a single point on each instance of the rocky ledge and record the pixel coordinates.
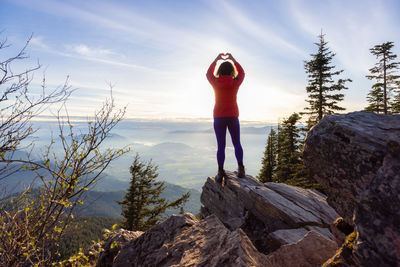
(245, 223)
(183, 240)
(271, 214)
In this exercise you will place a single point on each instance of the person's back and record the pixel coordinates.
(225, 87)
(226, 111)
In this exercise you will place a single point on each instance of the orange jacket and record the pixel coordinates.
(225, 90)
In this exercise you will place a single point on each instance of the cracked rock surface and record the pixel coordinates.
(261, 209)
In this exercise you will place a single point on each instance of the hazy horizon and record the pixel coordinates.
(185, 152)
(52, 118)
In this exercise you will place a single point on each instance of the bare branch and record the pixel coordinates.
(33, 221)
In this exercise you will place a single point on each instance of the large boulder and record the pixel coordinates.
(344, 152)
(356, 157)
(312, 250)
(150, 245)
(376, 241)
(182, 240)
(377, 216)
(261, 209)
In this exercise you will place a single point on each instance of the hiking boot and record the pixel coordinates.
(220, 175)
(241, 173)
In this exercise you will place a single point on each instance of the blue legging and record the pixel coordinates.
(220, 125)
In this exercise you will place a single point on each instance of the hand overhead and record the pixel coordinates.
(224, 56)
(219, 56)
(230, 56)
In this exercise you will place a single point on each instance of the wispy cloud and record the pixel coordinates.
(38, 41)
(85, 50)
(351, 28)
(255, 30)
(101, 55)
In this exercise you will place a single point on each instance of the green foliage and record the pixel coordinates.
(323, 90)
(142, 206)
(386, 80)
(91, 255)
(288, 149)
(81, 233)
(375, 99)
(268, 163)
(171, 191)
(305, 180)
(283, 161)
(395, 104)
(351, 238)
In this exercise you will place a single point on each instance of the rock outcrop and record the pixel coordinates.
(183, 240)
(247, 224)
(377, 217)
(312, 250)
(344, 152)
(263, 210)
(356, 157)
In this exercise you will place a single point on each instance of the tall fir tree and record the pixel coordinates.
(142, 206)
(323, 91)
(384, 72)
(375, 99)
(288, 153)
(269, 161)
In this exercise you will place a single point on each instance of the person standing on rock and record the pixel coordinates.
(226, 84)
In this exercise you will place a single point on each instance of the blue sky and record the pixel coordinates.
(156, 53)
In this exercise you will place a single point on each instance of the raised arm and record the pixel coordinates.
(240, 77)
(210, 71)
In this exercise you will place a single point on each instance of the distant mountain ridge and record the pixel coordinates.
(246, 130)
(102, 201)
(98, 203)
(184, 151)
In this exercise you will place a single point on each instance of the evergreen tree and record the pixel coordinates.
(142, 206)
(288, 153)
(280, 151)
(323, 90)
(396, 103)
(301, 176)
(375, 99)
(283, 159)
(384, 73)
(269, 161)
